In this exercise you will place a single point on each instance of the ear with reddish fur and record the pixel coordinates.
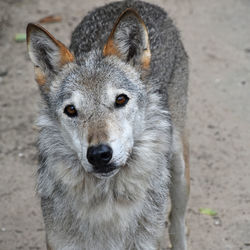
(47, 53)
(129, 40)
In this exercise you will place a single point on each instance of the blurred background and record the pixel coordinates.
(216, 35)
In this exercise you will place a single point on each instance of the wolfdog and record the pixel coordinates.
(112, 141)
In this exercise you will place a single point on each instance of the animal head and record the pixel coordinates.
(98, 103)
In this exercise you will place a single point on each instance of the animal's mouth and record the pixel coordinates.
(106, 171)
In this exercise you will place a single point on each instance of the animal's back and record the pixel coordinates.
(169, 63)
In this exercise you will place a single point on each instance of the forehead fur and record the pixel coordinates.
(95, 67)
(95, 73)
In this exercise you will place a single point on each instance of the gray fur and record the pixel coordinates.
(128, 209)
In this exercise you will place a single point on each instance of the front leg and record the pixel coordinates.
(179, 192)
(144, 243)
(48, 244)
(56, 242)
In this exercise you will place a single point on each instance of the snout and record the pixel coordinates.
(99, 156)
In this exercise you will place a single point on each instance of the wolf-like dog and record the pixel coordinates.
(113, 142)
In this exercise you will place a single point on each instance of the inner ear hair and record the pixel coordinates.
(129, 40)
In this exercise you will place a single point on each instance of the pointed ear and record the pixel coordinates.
(47, 53)
(129, 40)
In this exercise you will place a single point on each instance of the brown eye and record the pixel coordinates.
(70, 111)
(121, 100)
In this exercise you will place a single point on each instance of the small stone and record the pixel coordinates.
(3, 73)
(19, 72)
(211, 126)
(243, 82)
(217, 221)
(21, 155)
(247, 50)
(3, 229)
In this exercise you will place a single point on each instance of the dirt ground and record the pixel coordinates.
(216, 35)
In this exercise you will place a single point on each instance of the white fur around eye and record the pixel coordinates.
(114, 93)
(76, 100)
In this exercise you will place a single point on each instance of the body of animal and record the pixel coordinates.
(112, 143)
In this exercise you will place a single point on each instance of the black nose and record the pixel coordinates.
(99, 155)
